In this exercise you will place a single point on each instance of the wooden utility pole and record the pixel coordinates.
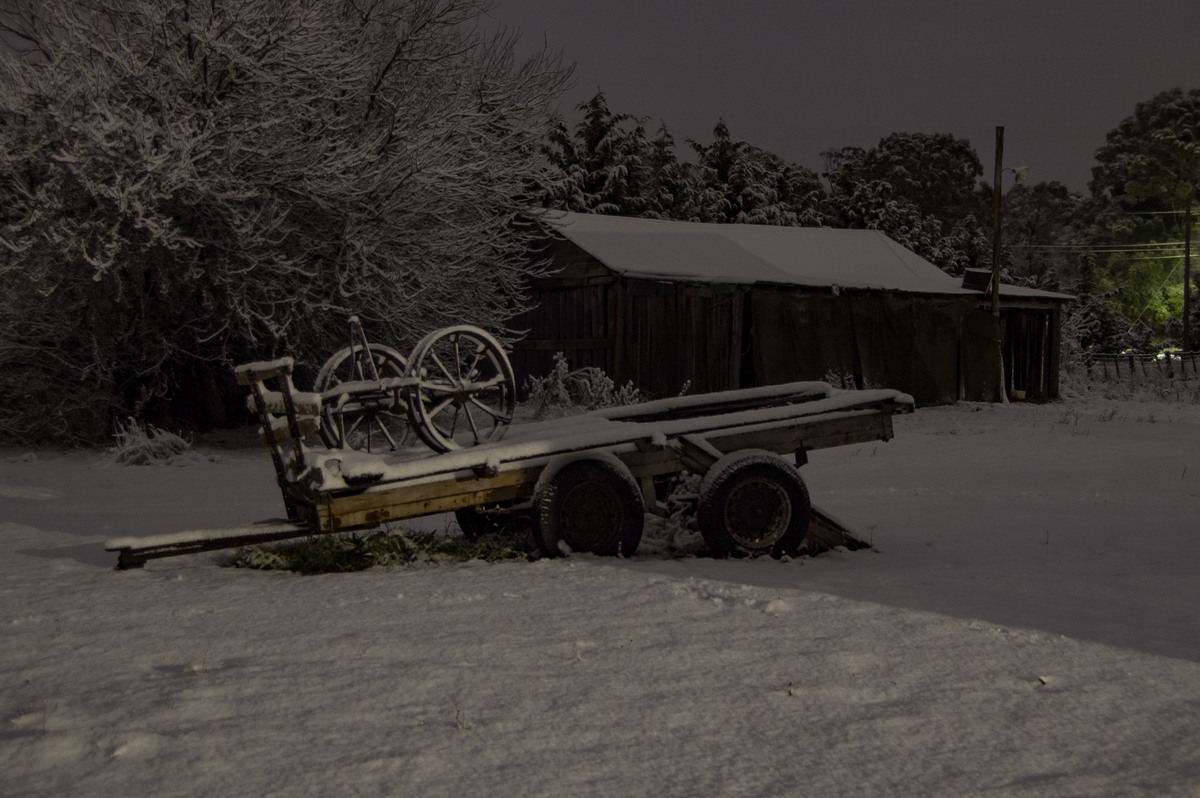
(1187, 278)
(1001, 388)
(996, 221)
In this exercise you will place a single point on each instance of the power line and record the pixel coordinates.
(1159, 257)
(1165, 251)
(1103, 247)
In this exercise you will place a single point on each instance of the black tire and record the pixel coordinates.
(590, 505)
(753, 502)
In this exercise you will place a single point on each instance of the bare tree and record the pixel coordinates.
(196, 182)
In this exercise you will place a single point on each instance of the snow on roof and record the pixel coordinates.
(821, 257)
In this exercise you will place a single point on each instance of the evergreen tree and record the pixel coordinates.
(740, 183)
(919, 189)
(670, 187)
(935, 172)
(602, 165)
(1039, 226)
(872, 205)
(1145, 189)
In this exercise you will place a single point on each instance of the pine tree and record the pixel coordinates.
(740, 183)
(602, 165)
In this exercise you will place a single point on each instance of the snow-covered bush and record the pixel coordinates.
(138, 443)
(565, 389)
(184, 186)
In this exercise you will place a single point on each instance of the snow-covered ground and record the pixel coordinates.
(1028, 624)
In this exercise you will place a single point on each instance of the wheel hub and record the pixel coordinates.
(757, 513)
(594, 520)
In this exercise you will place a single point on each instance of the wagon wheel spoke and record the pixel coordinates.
(457, 340)
(471, 422)
(486, 385)
(383, 429)
(447, 426)
(498, 415)
(439, 407)
(355, 423)
(479, 355)
(442, 366)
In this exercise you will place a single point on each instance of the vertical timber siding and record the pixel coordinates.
(661, 334)
(676, 334)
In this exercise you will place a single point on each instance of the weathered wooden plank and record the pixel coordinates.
(305, 403)
(695, 453)
(263, 370)
(864, 427)
(725, 402)
(826, 531)
(370, 508)
(136, 552)
(281, 430)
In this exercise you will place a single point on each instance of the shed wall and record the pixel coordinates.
(663, 334)
(903, 341)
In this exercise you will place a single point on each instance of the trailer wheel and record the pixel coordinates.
(753, 502)
(591, 505)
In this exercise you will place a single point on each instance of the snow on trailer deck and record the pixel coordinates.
(344, 490)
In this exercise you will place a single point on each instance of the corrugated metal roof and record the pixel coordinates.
(819, 257)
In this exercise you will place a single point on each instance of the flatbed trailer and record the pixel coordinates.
(585, 480)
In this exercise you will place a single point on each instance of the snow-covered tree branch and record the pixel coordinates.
(189, 182)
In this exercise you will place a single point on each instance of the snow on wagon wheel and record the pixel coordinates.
(466, 393)
(753, 502)
(368, 421)
(591, 505)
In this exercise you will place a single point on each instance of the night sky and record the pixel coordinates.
(805, 76)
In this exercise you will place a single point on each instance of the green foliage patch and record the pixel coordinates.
(331, 554)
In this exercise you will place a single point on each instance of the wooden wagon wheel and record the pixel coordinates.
(466, 393)
(364, 420)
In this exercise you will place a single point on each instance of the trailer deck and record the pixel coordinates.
(619, 455)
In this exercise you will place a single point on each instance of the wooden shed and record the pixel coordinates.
(666, 304)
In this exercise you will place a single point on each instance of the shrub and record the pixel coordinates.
(565, 389)
(327, 554)
(184, 186)
(145, 444)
